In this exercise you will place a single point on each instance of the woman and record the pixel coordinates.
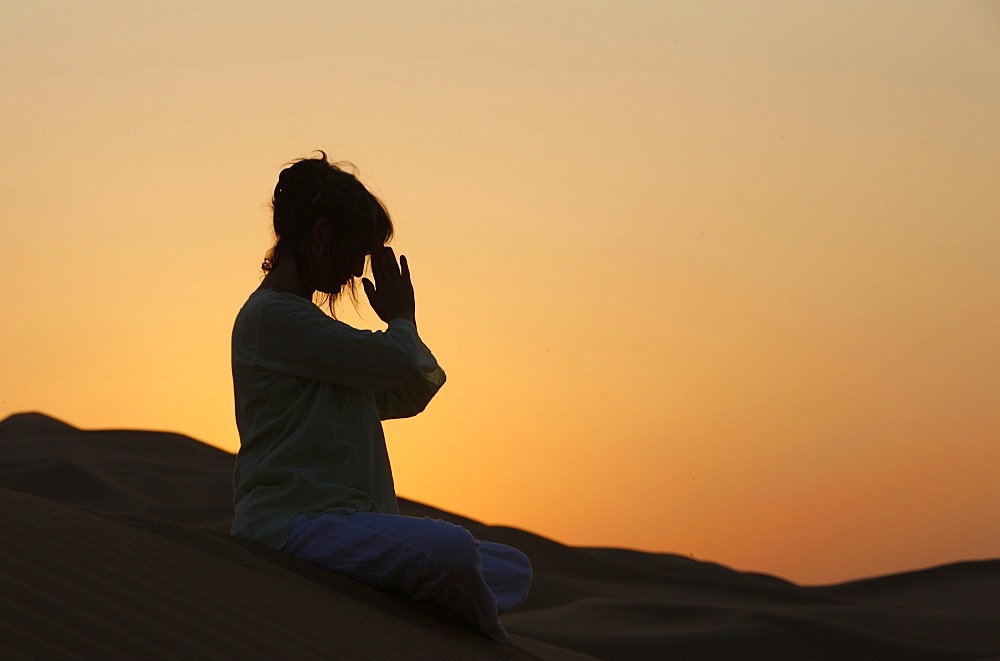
(312, 474)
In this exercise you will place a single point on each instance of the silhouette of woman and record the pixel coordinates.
(312, 475)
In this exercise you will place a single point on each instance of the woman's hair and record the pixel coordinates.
(312, 188)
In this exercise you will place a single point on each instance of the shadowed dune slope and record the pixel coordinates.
(78, 583)
(113, 543)
(136, 472)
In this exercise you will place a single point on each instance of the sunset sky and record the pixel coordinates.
(719, 279)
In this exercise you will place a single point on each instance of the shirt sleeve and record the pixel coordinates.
(299, 340)
(413, 395)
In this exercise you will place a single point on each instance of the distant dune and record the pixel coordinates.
(114, 544)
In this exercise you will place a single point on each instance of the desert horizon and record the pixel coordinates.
(115, 542)
(42, 421)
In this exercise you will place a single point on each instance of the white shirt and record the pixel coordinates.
(310, 395)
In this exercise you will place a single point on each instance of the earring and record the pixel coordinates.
(317, 250)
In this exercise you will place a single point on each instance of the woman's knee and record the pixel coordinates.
(449, 546)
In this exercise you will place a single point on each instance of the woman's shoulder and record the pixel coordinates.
(270, 308)
(265, 304)
(268, 299)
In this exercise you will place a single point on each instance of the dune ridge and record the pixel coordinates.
(115, 543)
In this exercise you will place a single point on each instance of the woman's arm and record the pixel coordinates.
(392, 298)
(290, 335)
(412, 397)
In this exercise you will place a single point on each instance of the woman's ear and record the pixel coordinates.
(321, 232)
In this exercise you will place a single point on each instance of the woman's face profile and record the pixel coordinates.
(333, 270)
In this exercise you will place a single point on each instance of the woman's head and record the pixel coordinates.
(327, 222)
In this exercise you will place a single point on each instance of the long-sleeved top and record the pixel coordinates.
(310, 395)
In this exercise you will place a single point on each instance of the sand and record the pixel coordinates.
(114, 543)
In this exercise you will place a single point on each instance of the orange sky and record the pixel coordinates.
(716, 279)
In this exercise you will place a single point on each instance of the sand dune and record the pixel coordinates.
(113, 544)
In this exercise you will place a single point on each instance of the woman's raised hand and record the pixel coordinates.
(391, 295)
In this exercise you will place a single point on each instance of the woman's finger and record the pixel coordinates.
(404, 267)
(369, 287)
(390, 260)
(379, 268)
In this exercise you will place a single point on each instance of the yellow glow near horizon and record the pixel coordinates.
(708, 278)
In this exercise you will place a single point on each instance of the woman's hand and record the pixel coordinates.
(391, 295)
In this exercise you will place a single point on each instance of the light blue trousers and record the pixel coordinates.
(428, 559)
